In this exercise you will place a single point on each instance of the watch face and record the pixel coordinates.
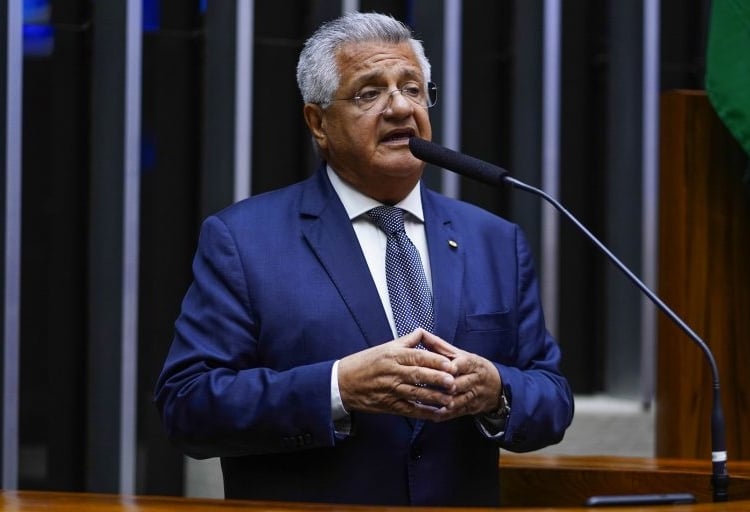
(504, 410)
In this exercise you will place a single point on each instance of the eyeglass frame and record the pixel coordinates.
(430, 97)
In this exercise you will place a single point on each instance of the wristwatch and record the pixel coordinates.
(503, 411)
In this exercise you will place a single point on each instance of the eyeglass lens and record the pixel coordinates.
(375, 102)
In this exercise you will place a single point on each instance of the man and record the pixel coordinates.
(287, 360)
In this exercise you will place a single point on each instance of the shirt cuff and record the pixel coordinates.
(491, 427)
(342, 422)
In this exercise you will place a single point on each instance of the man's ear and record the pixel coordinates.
(316, 123)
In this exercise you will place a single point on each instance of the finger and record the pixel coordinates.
(410, 340)
(437, 344)
(476, 398)
(478, 374)
(426, 410)
(434, 413)
(467, 363)
(413, 357)
(423, 396)
(411, 401)
(427, 379)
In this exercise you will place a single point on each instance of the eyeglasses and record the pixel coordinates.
(376, 100)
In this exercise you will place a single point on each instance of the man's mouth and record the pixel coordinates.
(398, 136)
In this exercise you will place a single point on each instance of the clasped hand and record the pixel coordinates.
(437, 384)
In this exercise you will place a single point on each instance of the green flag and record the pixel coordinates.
(728, 66)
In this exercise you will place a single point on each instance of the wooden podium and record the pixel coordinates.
(704, 275)
(529, 482)
(567, 481)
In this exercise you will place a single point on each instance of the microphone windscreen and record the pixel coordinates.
(457, 162)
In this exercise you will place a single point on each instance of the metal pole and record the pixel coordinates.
(452, 14)
(12, 243)
(550, 228)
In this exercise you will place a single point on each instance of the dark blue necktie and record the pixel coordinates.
(411, 299)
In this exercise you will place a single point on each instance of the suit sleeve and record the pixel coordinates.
(214, 395)
(540, 397)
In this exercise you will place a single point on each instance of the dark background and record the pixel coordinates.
(186, 172)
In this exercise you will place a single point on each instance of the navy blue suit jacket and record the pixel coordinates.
(282, 290)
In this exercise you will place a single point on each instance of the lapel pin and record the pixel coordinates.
(453, 244)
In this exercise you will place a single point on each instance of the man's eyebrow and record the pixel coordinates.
(413, 74)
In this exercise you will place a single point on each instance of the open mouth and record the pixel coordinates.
(399, 136)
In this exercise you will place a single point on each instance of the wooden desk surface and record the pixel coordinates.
(557, 477)
(37, 501)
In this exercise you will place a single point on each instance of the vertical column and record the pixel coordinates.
(451, 97)
(243, 126)
(227, 174)
(526, 115)
(113, 246)
(10, 245)
(218, 173)
(349, 5)
(650, 192)
(550, 227)
(622, 210)
(171, 120)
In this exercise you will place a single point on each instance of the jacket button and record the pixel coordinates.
(416, 453)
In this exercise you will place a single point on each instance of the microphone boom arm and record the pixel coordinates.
(493, 175)
(720, 477)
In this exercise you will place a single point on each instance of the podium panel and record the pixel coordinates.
(528, 482)
(704, 275)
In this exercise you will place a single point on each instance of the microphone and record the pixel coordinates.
(493, 175)
(457, 162)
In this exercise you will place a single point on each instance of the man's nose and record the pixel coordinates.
(397, 101)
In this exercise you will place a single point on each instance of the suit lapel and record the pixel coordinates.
(328, 231)
(447, 264)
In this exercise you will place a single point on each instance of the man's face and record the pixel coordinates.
(369, 149)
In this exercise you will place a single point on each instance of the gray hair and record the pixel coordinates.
(318, 76)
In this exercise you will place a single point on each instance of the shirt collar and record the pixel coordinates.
(356, 203)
